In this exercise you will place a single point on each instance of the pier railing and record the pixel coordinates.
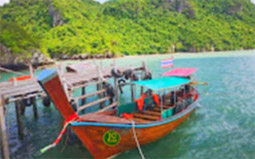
(16, 91)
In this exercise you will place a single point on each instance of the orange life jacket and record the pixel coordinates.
(195, 97)
(156, 99)
(127, 116)
(140, 102)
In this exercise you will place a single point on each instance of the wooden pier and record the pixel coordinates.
(77, 78)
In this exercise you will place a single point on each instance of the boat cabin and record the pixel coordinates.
(164, 98)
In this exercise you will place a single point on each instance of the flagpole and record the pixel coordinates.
(167, 63)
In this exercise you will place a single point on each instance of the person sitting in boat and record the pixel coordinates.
(173, 98)
(192, 93)
(179, 105)
(148, 93)
(179, 94)
(188, 93)
(183, 92)
(187, 88)
(168, 99)
(185, 103)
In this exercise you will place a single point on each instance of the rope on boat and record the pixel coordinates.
(66, 139)
(199, 105)
(66, 124)
(136, 140)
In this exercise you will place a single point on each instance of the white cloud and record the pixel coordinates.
(101, 1)
(2, 2)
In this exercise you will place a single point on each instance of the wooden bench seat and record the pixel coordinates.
(144, 116)
(141, 120)
(151, 112)
(165, 107)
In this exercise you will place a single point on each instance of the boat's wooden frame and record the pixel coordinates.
(92, 128)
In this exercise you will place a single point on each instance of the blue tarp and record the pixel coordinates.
(163, 83)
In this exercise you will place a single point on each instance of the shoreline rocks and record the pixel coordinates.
(9, 61)
(39, 59)
(86, 56)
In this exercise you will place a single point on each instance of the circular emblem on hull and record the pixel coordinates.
(111, 138)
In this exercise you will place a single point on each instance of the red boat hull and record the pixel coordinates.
(92, 137)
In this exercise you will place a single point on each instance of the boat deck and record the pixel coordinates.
(148, 116)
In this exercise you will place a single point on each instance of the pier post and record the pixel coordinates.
(31, 70)
(116, 90)
(4, 138)
(132, 92)
(83, 92)
(99, 87)
(141, 90)
(35, 108)
(143, 75)
(19, 122)
(22, 108)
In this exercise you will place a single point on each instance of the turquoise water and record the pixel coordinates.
(223, 127)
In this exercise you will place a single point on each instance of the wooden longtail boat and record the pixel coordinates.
(110, 132)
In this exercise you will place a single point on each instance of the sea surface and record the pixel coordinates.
(223, 127)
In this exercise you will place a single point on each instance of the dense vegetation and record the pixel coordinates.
(16, 45)
(16, 38)
(129, 26)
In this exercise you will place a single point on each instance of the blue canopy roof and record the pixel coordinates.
(163, 83)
